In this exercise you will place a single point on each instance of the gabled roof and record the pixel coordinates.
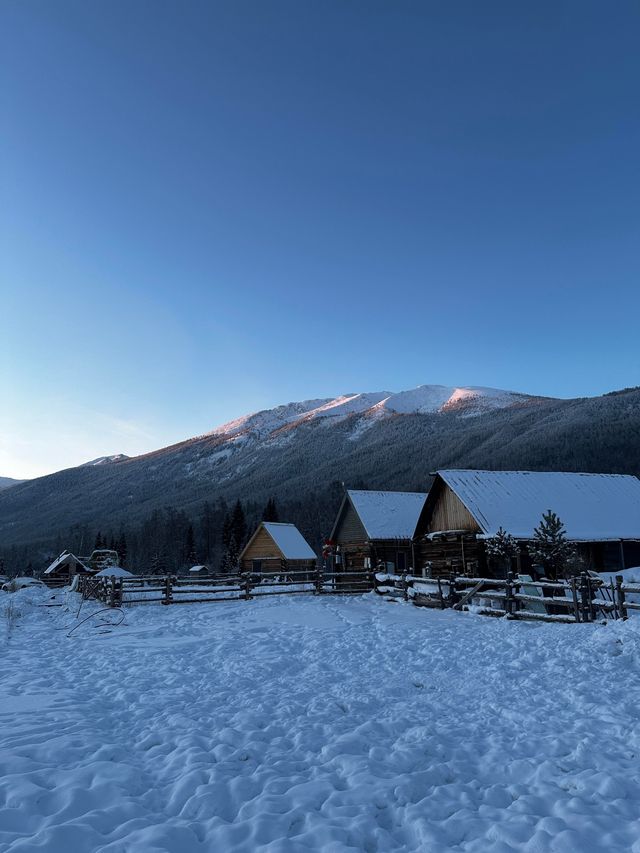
(66, 555)
(592, 507)
(287, 538)
(385, 515)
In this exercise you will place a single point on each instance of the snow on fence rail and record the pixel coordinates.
(170, 589)
(581, 599)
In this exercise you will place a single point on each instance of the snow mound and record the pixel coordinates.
(113, 571)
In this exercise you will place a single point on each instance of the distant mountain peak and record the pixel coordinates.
(467, 400)
(103, 460)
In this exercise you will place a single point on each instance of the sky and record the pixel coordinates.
(210, 208)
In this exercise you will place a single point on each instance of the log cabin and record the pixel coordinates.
(277, 547)
(376, 530)
(600, 512)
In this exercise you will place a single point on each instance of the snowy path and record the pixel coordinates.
(297, 724)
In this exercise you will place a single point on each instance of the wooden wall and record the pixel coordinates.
(350, 529)
(449, 513)
(262, 547)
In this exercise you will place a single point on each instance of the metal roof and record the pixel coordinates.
(388, 515)
(289, 540)
(592, 507)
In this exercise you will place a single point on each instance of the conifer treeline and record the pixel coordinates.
(172, 539)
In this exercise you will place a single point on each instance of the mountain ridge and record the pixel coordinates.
(299, 452)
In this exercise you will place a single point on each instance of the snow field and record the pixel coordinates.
(302, 723)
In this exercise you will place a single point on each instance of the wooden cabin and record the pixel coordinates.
(376, 530)
(600, 512)
(277, 547)
(66, 566)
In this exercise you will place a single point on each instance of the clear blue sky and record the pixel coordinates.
(214, 207)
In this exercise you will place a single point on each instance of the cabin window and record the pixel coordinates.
(256, 567)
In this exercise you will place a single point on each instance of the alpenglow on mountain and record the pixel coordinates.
(426, 399)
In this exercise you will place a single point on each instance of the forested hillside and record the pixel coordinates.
(154, 500)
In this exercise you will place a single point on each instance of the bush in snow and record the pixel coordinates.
(550, 547)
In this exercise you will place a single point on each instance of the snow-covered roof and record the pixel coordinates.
(289, 540)
(592, 507)
(388, 515)
(114, 572)
(66, 555)
(199, 569)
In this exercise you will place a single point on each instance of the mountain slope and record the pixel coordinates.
(6, 482)
(296, 452)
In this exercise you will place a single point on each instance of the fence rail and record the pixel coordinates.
(170, 589)
(582, 599)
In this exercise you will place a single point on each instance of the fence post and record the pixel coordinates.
(404, 586)
(509, 600)
(454, 595)
(247, 585)
(585, 597)
(622, 605)
(112, 591)
(168, 590)
(319, 580)
(574, 596)
(440, 594)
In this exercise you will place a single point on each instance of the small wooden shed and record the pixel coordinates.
(277, 547)
(66, 566)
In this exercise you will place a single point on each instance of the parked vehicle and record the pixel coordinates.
(20, 583)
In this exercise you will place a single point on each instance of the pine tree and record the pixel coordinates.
(270, 512)
(99, 542)
(231, 556)
(121, 548)
(502, 548)
(550, 547)
(227, 530)
(158, 563)
(190, 547)
(239, 524)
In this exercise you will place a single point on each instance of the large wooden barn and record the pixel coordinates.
(600, 512)
(376, 529)
(277, 547)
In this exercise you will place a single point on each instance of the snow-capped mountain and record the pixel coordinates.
(102, 460)
(300, 451)
(426, 399)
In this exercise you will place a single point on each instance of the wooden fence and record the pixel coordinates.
(55, 581)
(170, 589)
(581, 599)
(584, 598)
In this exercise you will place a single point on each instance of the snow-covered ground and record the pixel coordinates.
(334, 724)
